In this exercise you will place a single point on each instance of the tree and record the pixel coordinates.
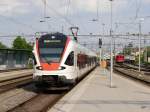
(148, 51)
(2, 46)
(29, 46)
(21, 43)
(128, 49)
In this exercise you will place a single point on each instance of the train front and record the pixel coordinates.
(51, 52)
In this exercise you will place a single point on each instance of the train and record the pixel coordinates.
(60, 61)
(120, 58)
(130, 59)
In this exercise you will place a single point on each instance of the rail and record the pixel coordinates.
(9, 82)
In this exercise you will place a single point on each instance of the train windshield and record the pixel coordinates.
(51, 48)
(50, 54)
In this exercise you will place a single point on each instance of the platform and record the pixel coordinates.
(94, 94)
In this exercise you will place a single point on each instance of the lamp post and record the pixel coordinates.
(111, 54)
(102, 53)
(140, 33)
(139, 46)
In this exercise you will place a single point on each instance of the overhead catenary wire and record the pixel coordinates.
(67, 13)
(138, 6)
(119, 36)
(80, 20)
(127, 26)
(44, 1)
(97, 12)
(59, 14)
(68, 2)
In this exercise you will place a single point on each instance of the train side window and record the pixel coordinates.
(70, 59)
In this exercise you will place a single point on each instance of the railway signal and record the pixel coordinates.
(100, 42)
(100, 50)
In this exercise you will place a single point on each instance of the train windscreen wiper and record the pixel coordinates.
(47, 61)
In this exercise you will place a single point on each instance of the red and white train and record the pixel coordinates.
(60, 60)
(120, 58)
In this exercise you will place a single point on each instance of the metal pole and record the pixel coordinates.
(44, 8)
(114, 51)
(146, 52)
(100, 55)
(111, 68)
(102, 50)
(139, 46)
(103, 29)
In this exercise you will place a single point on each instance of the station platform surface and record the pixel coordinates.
(93, 94)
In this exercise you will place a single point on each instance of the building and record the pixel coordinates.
(14, 58)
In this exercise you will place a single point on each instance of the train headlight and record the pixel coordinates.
(39, 67)
(61, 68)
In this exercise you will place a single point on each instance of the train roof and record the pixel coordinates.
(90, 52)
(61, 35)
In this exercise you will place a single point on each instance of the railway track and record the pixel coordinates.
(40, 103)
(134, 74)
(28, 98)
(131, 71)
(11, 70)
(9, 82)
(129, 66)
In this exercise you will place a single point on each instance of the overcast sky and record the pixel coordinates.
(24, 16)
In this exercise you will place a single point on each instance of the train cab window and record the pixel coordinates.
(70, 59)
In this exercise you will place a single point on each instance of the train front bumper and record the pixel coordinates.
(54, 80)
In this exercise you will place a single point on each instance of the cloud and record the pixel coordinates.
(17, 7)
(146, 1)
(90, 6)
(104, 5)
(11, 7)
